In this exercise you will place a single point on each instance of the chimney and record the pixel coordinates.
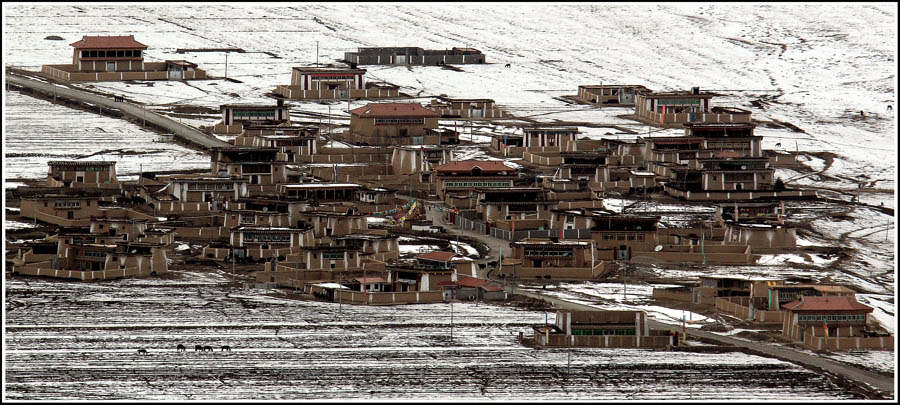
(280, 102)
(695, 90)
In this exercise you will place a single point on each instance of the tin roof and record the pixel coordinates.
(81, 163)
(437, 256)
(468, 165)
(827, 303)
(110, 42)
(373, 110)
(314, 69)
(368, 280)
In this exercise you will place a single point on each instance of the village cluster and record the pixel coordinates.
(284, 201)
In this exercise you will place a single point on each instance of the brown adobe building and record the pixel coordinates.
(384, 124)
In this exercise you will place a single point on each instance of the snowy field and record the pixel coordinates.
(812, 66)
(37, 131)
(628, 297)
(815, 67)
(78, 341)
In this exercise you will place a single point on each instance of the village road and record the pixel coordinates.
(183, 131)
(878, 381)
(437, 218)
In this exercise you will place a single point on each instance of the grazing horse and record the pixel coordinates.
(198, 348)
(508, 65)
(778, 145)
(142, 351)
(226, 348)
(180, 347)
(207, 348)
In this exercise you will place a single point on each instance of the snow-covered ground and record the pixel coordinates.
(285, 349)
(812, 66)
(619, 297)
(37, 131)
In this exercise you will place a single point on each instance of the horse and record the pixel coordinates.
(508, 65)
(207, 348)
(778, 145)
(198, 348)
(142, 351)
(226, 348)
(180, 347)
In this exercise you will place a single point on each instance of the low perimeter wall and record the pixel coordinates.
(847, 343)
(295, 93)
(389, 298)
(560, 340)
(675, 295)
(59, 72)
(738, 306)
(85, 275)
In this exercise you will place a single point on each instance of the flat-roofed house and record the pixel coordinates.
(310, 83)
(260, 241)
(467, 108)
(260, 166)
(60, 209)
(418, 158)
(413, 56)
(293, 140)
(333, 223)
(321, 192)
(601, 329)
(558, 259)
(82, 174)
(235, 116)
(84, 255)
(543, 136)
(466, 176)
(622, 235)
(616, 95)
(216, 190)
(676, 108)
(738, 138)
(504, 204)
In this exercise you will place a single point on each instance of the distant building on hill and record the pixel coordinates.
(413, 56)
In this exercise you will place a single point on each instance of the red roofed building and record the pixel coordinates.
(471, 288)
(814, 317)
(110, 58)
(108, 54)
(462, 178)
(435, 259)
(385, 124)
